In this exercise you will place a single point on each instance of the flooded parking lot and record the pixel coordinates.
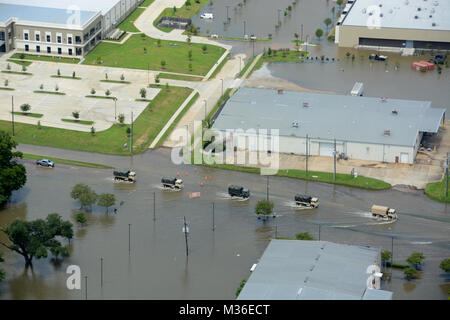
(157, 267)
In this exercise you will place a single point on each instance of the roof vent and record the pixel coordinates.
(364, 10)
(381, 15)
(395, 112)
(280, 91)
(383, 99)
(306, 104)
(387, 133)
(295, 124)
(416, 17)
(306, 279)
(380, 5)
(418, 9)
(434, 24)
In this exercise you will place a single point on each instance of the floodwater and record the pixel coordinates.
(394, 79)
(157, 267)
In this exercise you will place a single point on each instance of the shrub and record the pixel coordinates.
(121, 118)
(304, 236)
(76, 114)
(92, 131)
(143, 93)
(25, 108)
(93, 91)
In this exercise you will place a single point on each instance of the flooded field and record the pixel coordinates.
(157, 267)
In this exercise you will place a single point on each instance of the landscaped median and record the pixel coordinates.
(326, 177)
(111, 141)
(23, 56)
(436, 191)
(67, 161)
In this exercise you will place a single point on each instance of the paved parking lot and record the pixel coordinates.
(57, 107)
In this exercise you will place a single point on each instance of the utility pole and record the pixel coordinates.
(307, 155)
(279, 21)
(129, 237)
(319, 231)
(253, 44)
(214, 225)
(334, 156)
(392, 251)
(306, 43)
(154, 206)
(101, 272)
(267, 190)
(228, 19)
(446, 175)
(115, 109)
(85, 281)
(276, 231)
(186, 231)
(301, 32)
(244, 29)
(12, 114)
(131, 135)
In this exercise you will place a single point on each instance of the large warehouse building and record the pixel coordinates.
(59, 27)
(420, 24)
(366, 128)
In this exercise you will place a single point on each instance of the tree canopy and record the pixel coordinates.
(34, 239)
(106, 200)
(264, 207)
(445, 265)
(84, 194)
(12, 174)
(386, 256)
(416, 259)
(410, 273)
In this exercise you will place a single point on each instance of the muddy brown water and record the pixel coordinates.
(157, 267)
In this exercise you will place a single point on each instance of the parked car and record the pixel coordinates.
(45, 163)
(214, 36)
(207, 16)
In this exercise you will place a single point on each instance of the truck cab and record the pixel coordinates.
(238, 191)
(172, 183)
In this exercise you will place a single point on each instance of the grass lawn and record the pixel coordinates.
(183, 12)
(66, 161)
(249, 63)
(33, 115)
(79, 121)
(46, 58)
(436, 191)
(128, 24)
(20, 62)
(131, 55)
(110, 141)
(287, 56)
(327, 177)
(179, 77)
(146, 3)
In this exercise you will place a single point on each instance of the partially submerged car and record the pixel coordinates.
(45, 163)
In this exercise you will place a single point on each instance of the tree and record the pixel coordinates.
(93, 91)
(76, 114)
(319, 33)
(190, 55)
(92, 131)
(84, 194)
(121, 118)
(339, 2)
(56, 88)
(410, 273)
(159, 42)
(6, 82)
(73, 74)
(264, 208)
(122, 77)
(416, 259)
(81, 218)
(143, 93)
(327, 22)
(188, 3)
(58, 73)
(34, 239)
(12, 175)
(2, 272)
(204, 48)
(106, 200)
(163, 64)
(24, 68)
(304, 236)
(108, 93)
(8, 67)
(25, 108)
(445, 265)
(386, 256)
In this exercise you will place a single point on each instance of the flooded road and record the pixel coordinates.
(157, 268)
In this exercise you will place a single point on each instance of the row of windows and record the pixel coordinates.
(48, 38)
(59, 50)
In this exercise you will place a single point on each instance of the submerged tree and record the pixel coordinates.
(34, 239)
(106, 200)
(84, 194)
(12, 174)
(304, 236)
(264, 208)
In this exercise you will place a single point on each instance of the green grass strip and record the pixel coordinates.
(50, 92)
(128, 24)
(85, 122)
(20, 62)
(68, 162)
(116, 81)
(17, 72)
(7, 89)
(249, 63)
(66, 77)
(100, 97)
(45, 58)
(220, 67)
(436, 191)
(26, 114)
(179, 77)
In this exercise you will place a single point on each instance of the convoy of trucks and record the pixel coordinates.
(306, 201)
(238, 192)
(125, 175)
(383, 212)
(172, 183)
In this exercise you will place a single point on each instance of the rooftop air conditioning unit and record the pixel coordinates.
(280, 91)
(395, 112)
(387, 132)
(306, 104)
(383, 99)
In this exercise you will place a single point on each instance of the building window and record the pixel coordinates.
(25, 36)
(49, 39)
(69, 40)
(78, 39)
(38, 48)
(49, 50)
(2, 36)
(27, 48)
(59, 51)
(78, 51)
(38, 37)
(70, 52)
(59, 39)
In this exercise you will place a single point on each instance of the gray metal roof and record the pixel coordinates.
(311, 270)
(27, 13)
(373, 294)
(88, 5)
(329, 116)
(401, 14)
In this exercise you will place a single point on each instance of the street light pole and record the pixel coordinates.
(214, 224)
(301, 32)
(244, 29)
(185, 230)
(279, 21)
(267, 189)
(131, 135)
(205, 107)
(12, 114)
(334, 155)
(446, 175)
(115, 109)
(307, 155)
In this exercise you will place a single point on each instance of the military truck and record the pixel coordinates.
(383, 212)
(306, 201)
(238, 192)
(125, 175)
(172, 183)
